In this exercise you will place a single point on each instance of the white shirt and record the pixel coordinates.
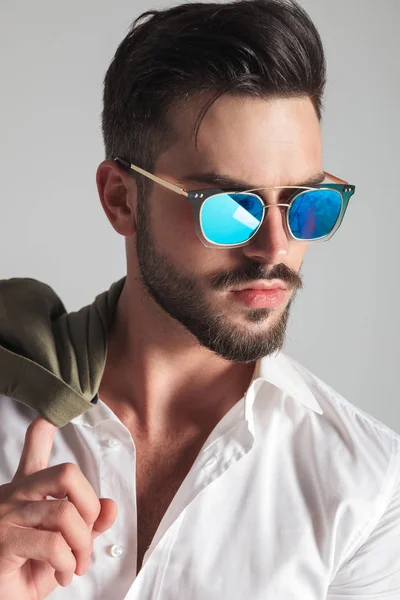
(294, 496)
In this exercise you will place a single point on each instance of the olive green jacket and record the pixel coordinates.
(51, 360)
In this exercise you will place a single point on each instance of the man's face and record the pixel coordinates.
(262, 144)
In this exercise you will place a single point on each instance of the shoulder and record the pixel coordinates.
(337, 409)
(351, 449)
(349, 461)
(359, 451)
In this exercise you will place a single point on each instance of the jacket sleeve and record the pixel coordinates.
(373, 572)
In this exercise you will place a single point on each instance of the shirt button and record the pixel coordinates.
(116, 550)
(112, 443)
(211, 462)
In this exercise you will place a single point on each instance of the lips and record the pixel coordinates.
(260, 298)
(262, 285)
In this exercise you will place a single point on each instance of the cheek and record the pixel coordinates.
(172, 223)
(174, 233)
(297, 253)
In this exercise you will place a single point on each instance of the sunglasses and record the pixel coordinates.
(230, 219)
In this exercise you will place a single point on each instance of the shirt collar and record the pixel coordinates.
(95, 415)
(278, 369)
(282, 372)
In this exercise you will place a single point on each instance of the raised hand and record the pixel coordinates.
(44, 542)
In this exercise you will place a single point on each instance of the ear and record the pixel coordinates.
(118, 196)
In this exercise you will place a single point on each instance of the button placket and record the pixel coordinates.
(117, 481)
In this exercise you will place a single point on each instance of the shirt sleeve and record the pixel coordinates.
(374, 570)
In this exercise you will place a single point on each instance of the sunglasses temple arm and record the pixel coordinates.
(162, 182)
(335, 179)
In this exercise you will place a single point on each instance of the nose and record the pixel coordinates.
(270, 244)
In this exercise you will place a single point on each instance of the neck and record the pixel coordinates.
(158, 378)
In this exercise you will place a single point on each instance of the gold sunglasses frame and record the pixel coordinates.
(198, 197)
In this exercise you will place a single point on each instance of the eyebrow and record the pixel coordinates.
(224, 181)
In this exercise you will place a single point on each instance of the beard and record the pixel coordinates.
(180, 296)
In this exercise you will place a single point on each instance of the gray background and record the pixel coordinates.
(345, 325)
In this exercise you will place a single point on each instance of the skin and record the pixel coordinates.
(159, 379)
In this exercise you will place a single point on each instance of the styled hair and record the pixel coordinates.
(259, 48)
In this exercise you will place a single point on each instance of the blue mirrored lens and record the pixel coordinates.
(313, 214)
(231, 218)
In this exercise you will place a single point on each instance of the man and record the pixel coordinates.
(208, 464)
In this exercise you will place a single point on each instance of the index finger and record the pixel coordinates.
(37, 447)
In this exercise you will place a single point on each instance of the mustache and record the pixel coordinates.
(256, 272)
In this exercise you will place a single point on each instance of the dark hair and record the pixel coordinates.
(263, 48)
